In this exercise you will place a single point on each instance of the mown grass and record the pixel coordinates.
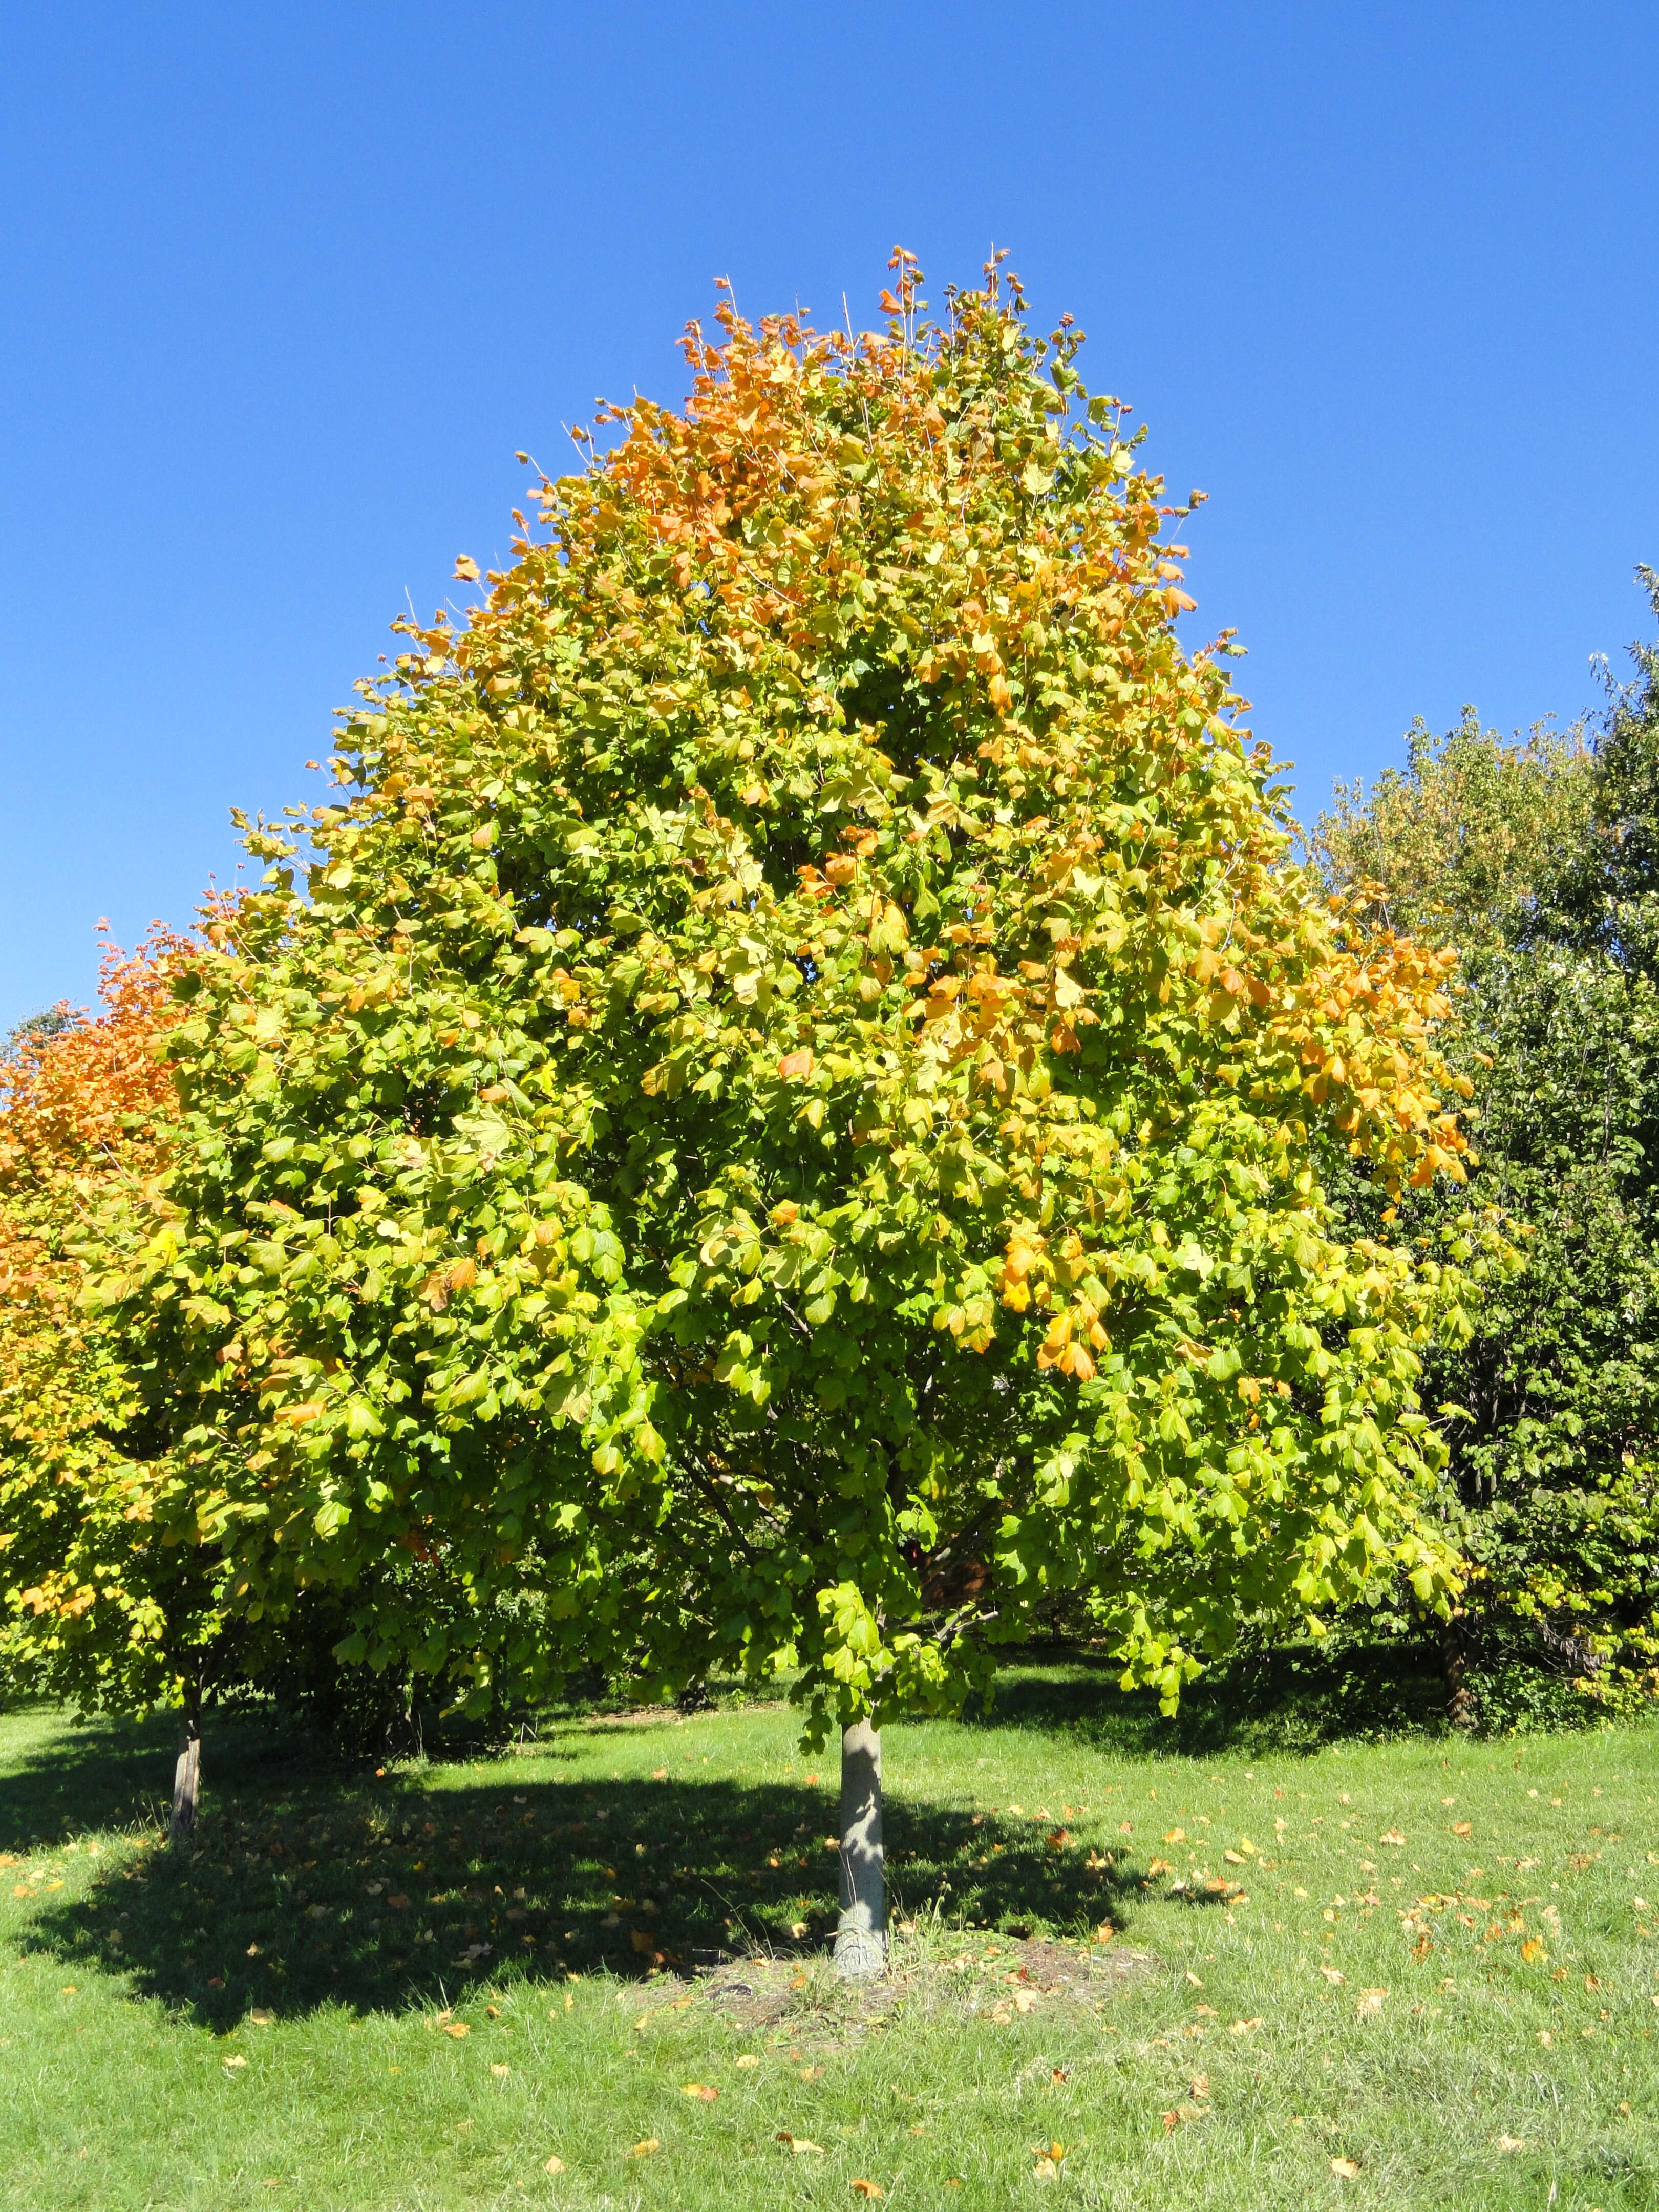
(1512, 2059)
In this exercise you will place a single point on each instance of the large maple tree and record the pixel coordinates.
(770, 1124)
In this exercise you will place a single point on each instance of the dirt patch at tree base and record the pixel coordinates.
(996, 1979)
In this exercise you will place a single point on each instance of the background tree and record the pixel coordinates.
(777, 1132)
(1537, 859)
(111, 1598)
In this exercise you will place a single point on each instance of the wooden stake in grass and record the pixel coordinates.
(862, 1931)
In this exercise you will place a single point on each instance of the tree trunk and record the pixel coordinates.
(1453, 1663)
(187, 1769)
(861, 1932)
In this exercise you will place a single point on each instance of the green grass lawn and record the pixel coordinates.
(1440, 1985)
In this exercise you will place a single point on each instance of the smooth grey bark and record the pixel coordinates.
(187, 1770)
(862, 1931)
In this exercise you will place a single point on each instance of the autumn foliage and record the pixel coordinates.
(105, 1600)
(775, 1122)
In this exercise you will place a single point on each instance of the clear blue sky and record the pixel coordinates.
(282, 286)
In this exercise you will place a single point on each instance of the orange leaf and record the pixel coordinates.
(796, 1066)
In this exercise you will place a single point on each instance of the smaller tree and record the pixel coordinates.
(1536, 858)
(111, 1596)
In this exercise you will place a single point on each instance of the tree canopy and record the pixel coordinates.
(107, 1597)
(772, 1124)
(1536, 859)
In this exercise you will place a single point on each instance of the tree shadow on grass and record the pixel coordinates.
(1291, 1699)
(309, 1890)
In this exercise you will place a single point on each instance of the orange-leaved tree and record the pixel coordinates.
(781, 1128)
(108, 1596)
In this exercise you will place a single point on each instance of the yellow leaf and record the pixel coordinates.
(699, 2089)
(868, 2188)
(555, 2165)
(643, 2149)
(748, 2058)
(1371, 2001)
(798, 2144)
(812, 2073)
(1391, 1836)
(1245, 2026)
(1532, 1950)
(499, 2070)
(1511, 2142)
(1344, 2169)
(466, 569)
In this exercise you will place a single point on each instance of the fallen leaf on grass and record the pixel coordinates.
(458, 2028)
(499, 2070)
(1182, 2113)
(1391, 1836)
(748, 2058)
(1532, 1950)
(868, 2188)
(1176, 1836)
(1332, 1974)
(1060, 2073)
(1460, 1827)
(261, 2017)
(555, 2165)
(238, 2061)
(812, 2073)
(1511, 2142)
(1244, 2027)
(659, 1774)
(798, 2144)
(699, 2089)
(644, 2149)
(1344, 2169)
(1371, 2001)
(1233, 1858)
